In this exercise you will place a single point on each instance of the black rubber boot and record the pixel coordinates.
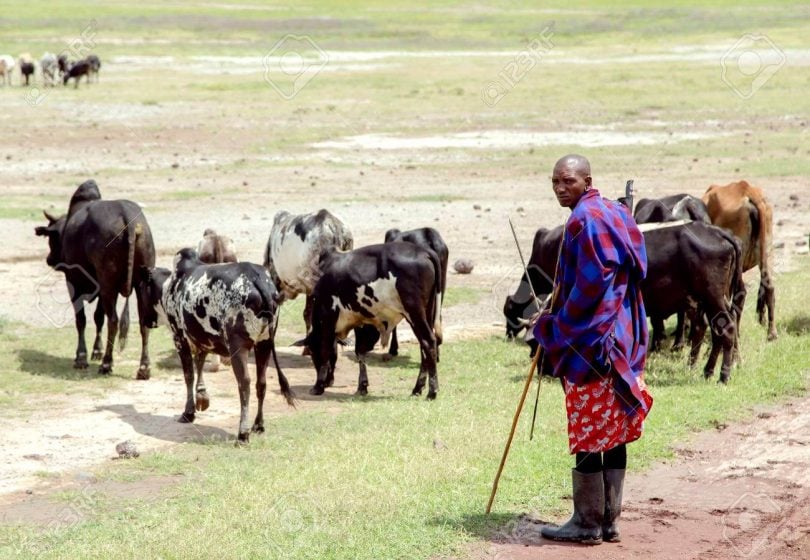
(614, 483)
(585, 526)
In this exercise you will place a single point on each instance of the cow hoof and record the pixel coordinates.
(96, 355)
(186, 418)
(772, 336)
(387, 357)
(80, 363)
(416, 392)
(243, 438)
(362, 391)
(257, 428)
(431, 395)
(202, 401)
(723, 380)
(330, 381)
(105, 369)
(144, 373)
(316, 390)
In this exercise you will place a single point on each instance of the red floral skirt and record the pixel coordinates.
(597, 421)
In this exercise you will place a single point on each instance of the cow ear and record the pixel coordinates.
(41, 231)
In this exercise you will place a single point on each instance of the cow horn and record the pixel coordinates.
(49, 216)
(524, 322)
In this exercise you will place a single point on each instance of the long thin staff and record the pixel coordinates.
(526, 386)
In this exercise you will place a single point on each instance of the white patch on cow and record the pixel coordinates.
(225, 303)
(385, 306)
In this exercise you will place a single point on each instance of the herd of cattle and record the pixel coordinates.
(215, 304)
(51, 66)
(697, 251)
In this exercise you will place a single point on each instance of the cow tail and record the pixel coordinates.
(283, 384)
(737, 285)
(437, 296)
(764, 265)
(131, 235)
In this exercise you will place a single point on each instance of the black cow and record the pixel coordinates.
(427, 238)
(671, 208)
(692, 269)
(27, 70)
(98, 245)
(371, 290)
(226, 309)
(95, 65)
(76, 71)
(520, 307)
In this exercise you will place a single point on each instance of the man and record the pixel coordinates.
(595, 337)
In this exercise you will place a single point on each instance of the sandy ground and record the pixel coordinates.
(742, 491)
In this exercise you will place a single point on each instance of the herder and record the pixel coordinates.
(595, 338)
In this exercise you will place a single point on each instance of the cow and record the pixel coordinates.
(667, 209)
(98, 245)
(671, 208)
(743, 209)
(294, 248)
(49, 66)
(76, 71)
(7, 64)
(95, 65)
(427, 238)
(215, 249)
(693, 268)
(26, 68)
(63, 64)
(226, 309)
(520, 306)
(371, 290)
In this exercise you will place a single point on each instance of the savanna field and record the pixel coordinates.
(442, 114)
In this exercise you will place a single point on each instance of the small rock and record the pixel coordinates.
(801, 242)
(520, 209)
(487, 209)
(245, 217)
(312, 184)
(779, 245)
(463, 266)
(476, 206)
(127, 450)
(35, 457)
(439, 444)
(244, 183)
(794, 197)
(175, 165)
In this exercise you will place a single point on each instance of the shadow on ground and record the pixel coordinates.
(167, 428)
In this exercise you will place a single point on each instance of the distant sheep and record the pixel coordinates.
(49, 66)
(6, 67)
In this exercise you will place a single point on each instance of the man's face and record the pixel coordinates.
(569, 185)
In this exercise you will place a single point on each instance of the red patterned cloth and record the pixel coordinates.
(597, 421)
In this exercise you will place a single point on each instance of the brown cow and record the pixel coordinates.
(215, 249)
(742, 209)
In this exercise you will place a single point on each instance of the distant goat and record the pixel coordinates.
(6, 66)
(76, 71)
(26, 68)
(49, 66)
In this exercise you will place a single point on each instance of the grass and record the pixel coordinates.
(397, 477)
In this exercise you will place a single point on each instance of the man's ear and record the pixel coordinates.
(589, 181)
(41, 231)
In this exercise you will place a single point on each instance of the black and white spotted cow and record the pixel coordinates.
(427, 238)
(371, 290)
(294, 251)
(225, 309)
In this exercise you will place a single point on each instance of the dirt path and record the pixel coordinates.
(742, 491)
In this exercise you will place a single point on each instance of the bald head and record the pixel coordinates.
(575, 162)
(571, 179)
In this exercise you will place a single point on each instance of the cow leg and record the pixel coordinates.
(98, 318)
(427, 342)
(394, 349)
(658, 333)
(81, 322)
(262, 351)
(201, 400)
(728, 338)
(678, 344)
(308, 307)
(188, 374)
(109, 301)
(697, 332)
(320, 382)
(364, 340)
(239, 363)
(767, 299)
(144, 371)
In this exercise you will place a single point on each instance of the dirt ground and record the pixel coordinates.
(742, 491)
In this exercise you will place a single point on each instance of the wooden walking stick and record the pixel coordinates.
(526, 386)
